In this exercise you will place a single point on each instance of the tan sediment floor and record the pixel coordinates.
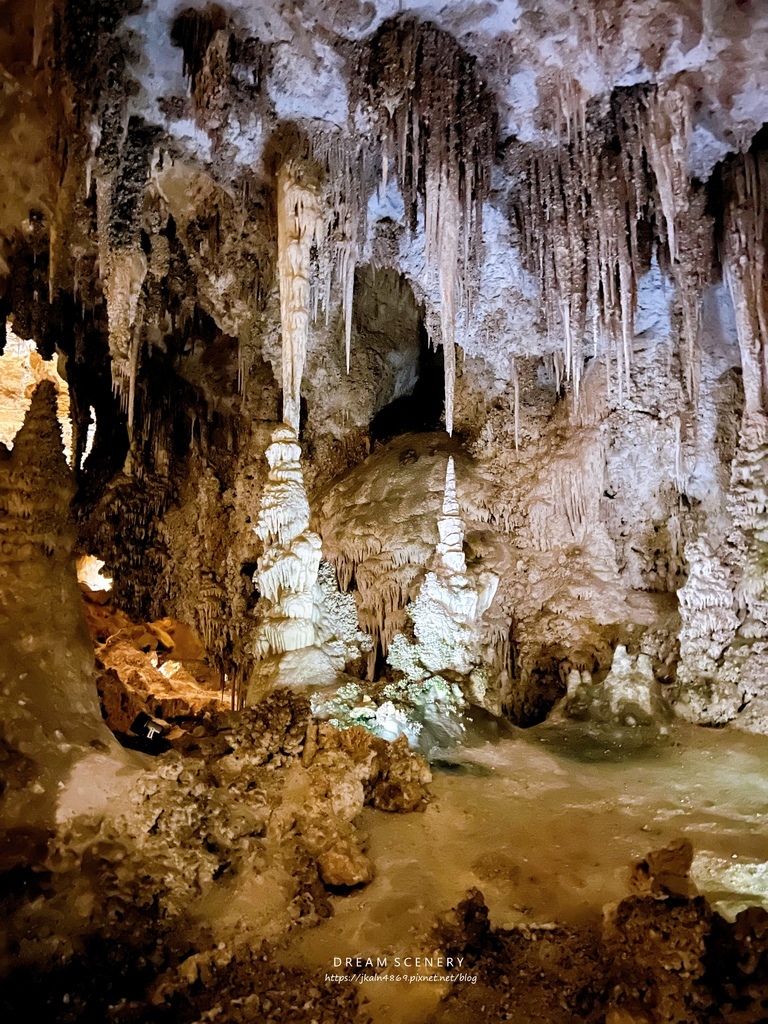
(546, 824)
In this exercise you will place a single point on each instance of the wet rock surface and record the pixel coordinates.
(653, 958)
(256, 805)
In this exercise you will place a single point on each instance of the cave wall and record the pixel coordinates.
(563, 208)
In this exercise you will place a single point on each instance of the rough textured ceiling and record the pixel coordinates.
(534, 56)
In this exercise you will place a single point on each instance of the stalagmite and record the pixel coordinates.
(308, 630)
(287, 571)
(445, 613)
(298, 220)
(450, 550)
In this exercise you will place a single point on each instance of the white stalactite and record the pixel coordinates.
(744, 266)
(298, 222)
(443, 228)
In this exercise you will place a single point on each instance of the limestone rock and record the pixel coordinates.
(628, 695)
(129, 683)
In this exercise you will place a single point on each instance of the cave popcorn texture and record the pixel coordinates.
(308, 632)
(445, 613)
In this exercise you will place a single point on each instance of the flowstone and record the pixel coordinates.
(629, 695)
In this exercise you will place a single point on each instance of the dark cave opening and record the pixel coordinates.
(421, 409)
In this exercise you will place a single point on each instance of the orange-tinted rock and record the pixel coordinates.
(130, 683)
(104, 620)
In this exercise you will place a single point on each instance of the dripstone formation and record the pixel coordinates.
(412, 360)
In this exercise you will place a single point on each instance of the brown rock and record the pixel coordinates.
(344, 864)
(130, 683)
(104, 620)
(664, 872)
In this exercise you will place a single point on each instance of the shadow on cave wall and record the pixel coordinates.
(420, 410)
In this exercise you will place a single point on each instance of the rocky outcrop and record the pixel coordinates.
(661, 954)
(51, 715)
(130, 684)
(628, 695)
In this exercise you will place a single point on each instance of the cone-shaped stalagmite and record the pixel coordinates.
(48, 702)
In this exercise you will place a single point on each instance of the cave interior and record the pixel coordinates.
(384, 511)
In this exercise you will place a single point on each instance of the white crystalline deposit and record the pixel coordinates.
(309, 630)
(444, 614)
(427, 703)
(446, 634)
(288, 568)
(286, 576)
(628, 695)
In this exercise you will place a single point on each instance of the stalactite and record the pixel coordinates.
(666, 136)
(578, 208)
(744, 264)
(127, 271)
(120, 187)
(343, 230)
(437, 126)
(298, 219)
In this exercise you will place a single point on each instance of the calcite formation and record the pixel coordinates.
(287, 572)
(297, 225)
(412, 362)
(357, 222)
(445, 611)
(308, 632)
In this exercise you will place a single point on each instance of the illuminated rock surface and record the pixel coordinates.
(404, 367)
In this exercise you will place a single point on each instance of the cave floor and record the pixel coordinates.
(547, 824)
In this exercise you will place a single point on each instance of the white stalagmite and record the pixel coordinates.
(445, 614)
(298, 222)
(309, 631)
(287, 571)
(450, 550)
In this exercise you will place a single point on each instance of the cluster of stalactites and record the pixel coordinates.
(121, 178)
(744, 265)
(287, 571)
(344, 225)
(437, 130)
(298, 220)
(579, 207)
